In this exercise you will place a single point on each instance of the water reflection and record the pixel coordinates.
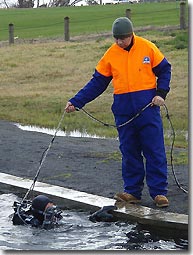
(48, 131)
(76, 133)
(77, 233)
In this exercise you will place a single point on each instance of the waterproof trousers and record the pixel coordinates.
(143, 153)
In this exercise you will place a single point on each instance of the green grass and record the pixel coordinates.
(49, 22)
(38, 79)
(36, 84)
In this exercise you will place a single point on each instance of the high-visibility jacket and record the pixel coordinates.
(131, 71)
(137, 76)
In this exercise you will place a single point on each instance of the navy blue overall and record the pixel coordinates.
(143, 153)
(141, 141)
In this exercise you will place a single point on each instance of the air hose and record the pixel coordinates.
(19, 206)
(43, 157)
(44, 154)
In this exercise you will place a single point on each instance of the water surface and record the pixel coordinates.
(76, 233)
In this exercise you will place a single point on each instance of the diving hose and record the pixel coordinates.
(44, 155)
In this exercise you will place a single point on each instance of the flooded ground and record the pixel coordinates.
(77, 233)
(77, 133)
(49, 131)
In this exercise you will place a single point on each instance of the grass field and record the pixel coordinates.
(49, 22)
(38, 79)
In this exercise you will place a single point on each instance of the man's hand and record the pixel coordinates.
(70, 107)
(157, 100)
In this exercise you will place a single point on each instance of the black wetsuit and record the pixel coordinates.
(35, 218)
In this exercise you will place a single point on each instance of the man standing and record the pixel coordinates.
(140, 74)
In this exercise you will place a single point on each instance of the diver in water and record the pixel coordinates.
(41, 212)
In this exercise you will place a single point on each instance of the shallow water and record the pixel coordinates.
(49, 131)
(76, 133)
(76, 233)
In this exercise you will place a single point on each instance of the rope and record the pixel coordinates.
(112, 125)
(44, 155)
(134, 117)
(171, 150)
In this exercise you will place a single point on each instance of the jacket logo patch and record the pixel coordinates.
(146, 60)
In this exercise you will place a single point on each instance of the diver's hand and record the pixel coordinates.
(70, 107)
(157, 100)
(104, 214)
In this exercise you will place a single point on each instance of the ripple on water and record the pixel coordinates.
(77, 233)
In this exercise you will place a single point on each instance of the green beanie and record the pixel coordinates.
(122, 26)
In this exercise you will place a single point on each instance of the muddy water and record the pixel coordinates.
(77, 233)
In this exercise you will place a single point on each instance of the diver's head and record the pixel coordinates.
(39, 205)
(41, 202)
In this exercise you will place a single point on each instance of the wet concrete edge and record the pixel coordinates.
(166, 222)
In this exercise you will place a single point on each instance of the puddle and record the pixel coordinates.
(76, 133)
(48, 131)
(77, 233)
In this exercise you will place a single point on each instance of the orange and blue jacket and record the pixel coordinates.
(137, 75)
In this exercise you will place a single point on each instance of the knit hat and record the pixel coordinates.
(40, 202)
(122, 26)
